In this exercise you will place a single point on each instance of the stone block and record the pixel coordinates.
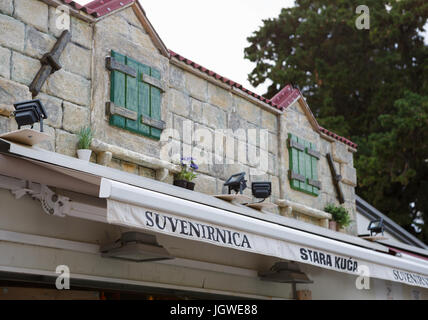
(205, 184)
(53, 108)
(138, 36)
(179, 103)
(176, 77)
(273, 143)
(341, 153)
(24, 68)
(69, 87)
(38, 43)
(6, 109)
(203, 138)
(248, 111)
(196, 86)
(5, 55)
(75, 117)
(129, 167)
(77, 60)
(81, 32)
(219, 96)
(11, 92)
(32, 12)
(66, 143)
(147, 172)
(6, 7)
(50, 143)
(269, 121)
(7, 125)
(58, 21)
(115, 164)
(349, 174)
(213, 117)
(12, 33)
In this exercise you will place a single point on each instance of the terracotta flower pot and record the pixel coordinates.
(180, 183)
(332, 225)
(190, 185)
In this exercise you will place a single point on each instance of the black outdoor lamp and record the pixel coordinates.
(376, 226)
(236, 182)
(261, 190)
(30, 112)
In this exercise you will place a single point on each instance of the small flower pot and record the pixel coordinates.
(180, 183)
(190, 185)
(84, 154)
(332, 225)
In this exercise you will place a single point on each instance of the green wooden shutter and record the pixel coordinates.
(136, 95)
(132, 96)
(144, 99)
(155, 104)
(303, 159)
(117, 90)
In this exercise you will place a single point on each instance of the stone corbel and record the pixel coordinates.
(162, 174)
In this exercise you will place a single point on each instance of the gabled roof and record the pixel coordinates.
(284, 98)
(288, 95)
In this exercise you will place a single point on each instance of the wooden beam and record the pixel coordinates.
(336, 178)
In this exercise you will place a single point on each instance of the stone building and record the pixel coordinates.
(149, 107)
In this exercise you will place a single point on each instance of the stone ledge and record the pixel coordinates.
(302, 209)
(120, 153)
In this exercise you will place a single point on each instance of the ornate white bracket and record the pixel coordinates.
(52, 203)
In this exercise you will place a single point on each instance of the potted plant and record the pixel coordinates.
(340, 216)
(187, 174)
(85, 139)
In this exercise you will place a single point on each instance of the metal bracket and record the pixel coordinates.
(314, 183)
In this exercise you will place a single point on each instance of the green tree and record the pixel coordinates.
(368, 85)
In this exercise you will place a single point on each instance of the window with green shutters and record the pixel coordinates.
(135, 96)
(303, 173)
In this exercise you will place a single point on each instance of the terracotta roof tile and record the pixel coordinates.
(99, 8)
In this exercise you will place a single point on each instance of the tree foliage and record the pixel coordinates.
(368, 85)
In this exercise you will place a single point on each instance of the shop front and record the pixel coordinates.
(192, 245)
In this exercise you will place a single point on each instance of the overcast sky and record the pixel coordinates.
(213, 33)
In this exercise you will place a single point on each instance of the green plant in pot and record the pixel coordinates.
(341, 217)
(187, 174)
(85, 139)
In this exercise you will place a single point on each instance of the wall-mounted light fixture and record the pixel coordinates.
(30, 112)
(137, 247)
(236, 183)
(285, 272)
(376, 226)
(261, 190)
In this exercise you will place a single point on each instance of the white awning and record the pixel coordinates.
(158, 207)
(153, 211)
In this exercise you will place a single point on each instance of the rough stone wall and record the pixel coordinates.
(28, 31)
(296, 122)
(193, 103)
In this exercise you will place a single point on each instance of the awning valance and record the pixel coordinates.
(156, 212)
